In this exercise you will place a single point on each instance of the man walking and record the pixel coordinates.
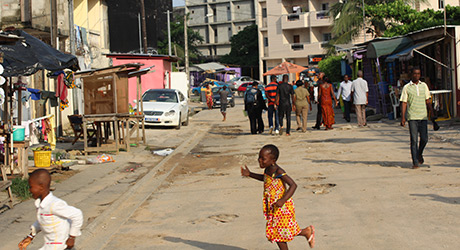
(360, 93)
(345, 92)
(223, 93)
(284, 94)
(319, 115)
(270, 93)
(254, 104)
(415, 99)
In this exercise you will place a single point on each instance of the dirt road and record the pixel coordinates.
(355, 185)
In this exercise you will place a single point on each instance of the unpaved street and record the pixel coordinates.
(355, 186)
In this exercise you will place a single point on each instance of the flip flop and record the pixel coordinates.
(311, 240)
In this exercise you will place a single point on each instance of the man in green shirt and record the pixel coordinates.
(416, 100)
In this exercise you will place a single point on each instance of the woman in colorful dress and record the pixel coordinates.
(326, 94)
(208, 92)
(279, 208)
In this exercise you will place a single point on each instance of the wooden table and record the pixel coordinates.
(23, 157)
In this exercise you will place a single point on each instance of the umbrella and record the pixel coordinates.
(285, 68)
(27, 57)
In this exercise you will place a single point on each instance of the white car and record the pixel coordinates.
(165, 107)
(236, 82)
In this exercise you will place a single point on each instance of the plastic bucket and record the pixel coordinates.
(18, 133)
(42, 159)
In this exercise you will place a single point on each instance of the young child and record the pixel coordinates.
(278, 205)
(60, 222)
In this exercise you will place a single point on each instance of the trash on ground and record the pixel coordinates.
(163, 152)
(103, 158)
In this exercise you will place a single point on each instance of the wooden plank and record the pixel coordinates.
(4, 184)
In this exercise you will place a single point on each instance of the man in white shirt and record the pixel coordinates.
(360, 93)
(60, 222)
(345, 92)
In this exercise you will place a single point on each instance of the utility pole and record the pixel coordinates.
(169, 34)
(364, 22)
(72, 51)
(54, 29)
(144, 28)
(186, 46)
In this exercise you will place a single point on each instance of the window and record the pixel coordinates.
(441, 4)
(327, 37)
(325, 6)
(238, 7)
(193, 12)
(214, 12)
(264, 12)
(296, 39)
(266, 41)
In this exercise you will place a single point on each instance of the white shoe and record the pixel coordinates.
(277, 132)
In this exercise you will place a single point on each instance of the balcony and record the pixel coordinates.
(293, 50)
(294, 21)
(319, 19)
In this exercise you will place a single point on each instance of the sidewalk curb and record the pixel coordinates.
(97, 234)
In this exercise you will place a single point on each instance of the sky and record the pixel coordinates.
(178, 3)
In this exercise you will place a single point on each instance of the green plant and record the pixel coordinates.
(331, 66)
(20, 188)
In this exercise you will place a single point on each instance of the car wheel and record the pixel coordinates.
(179, 123)
(232, 104)
(186, 121)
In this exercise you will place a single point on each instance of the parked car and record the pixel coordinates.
(236, 82)
(165, 107)
(216, 97)
(214, 83)
(244, 87)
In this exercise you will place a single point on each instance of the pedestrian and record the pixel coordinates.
(345, 93)
(270, 93)
(209, 100)
(416, 100)
(360, 93)
(326, 95)
(284, 94)
(60, 222)
(319, 116)
(223, 93)
(254, 104)
(302, 104)
(279, 211)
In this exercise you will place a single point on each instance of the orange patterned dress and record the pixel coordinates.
(281, 223)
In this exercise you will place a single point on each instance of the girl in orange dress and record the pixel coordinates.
(279, 208)
(326, 94)
(209, 101)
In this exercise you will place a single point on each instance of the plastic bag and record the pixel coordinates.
(103, 158)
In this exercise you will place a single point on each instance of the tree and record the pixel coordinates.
(348, 18)
(244, 48)
(177, 40)
(331, 66)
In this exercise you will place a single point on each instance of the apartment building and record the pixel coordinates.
(292, 30)
(217, 21)
(435, 4)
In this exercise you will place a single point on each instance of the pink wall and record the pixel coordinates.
(155, 79)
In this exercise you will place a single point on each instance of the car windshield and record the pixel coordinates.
(159, 96)
(236, 78)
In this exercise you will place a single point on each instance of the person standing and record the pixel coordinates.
(254, 104)
(208, 92)
(326, 95)
(319, 81)
(360, 93)
(284, 94)
(302, 104)
(416, 100)
(345, 92)
(223, 93)
(270, 93)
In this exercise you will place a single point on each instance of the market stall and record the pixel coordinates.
(106, 105)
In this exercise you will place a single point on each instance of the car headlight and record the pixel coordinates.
(170, 113)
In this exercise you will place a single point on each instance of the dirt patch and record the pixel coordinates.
(321, 188)
(60, 176)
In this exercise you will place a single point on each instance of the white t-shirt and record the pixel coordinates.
(345, 90)
(359, 88)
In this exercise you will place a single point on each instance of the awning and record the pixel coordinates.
(388, 47)
(408, 53)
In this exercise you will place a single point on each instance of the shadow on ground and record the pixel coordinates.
(200, 244)
(435, 197)
(395, 164)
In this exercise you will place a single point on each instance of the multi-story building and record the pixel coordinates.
(435, 4)
(217, 21)
(292, 30)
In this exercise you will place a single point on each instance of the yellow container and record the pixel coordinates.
(42, 159)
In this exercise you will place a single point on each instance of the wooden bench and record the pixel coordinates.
(6, 185)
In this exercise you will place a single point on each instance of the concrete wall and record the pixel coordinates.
(197, 15)
(223, 13)
(243, 10)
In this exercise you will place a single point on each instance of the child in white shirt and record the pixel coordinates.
(60, 222)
